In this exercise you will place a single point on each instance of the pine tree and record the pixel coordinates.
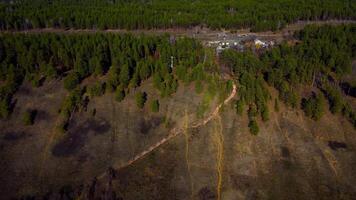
(140, 99)
(155, 106)
(119, 93)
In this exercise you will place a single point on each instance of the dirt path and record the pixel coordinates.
(174, 132)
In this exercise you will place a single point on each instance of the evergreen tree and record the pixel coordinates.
(71, 81)
(239, 107)
(119, 93)
(155, 106)
(124, 76)
(254, 129)
(141, 99)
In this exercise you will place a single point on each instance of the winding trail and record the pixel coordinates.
(174, 132)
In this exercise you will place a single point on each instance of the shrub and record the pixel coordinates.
(29, 117)
(252, 112)
(265, 113)
(254, 129)
(155, 106)
(71, 81)
(71, 102)
(4, 108)
(119, 93)
(141, 98)
(198, 87)
(314, 106)
(239, 107)
(97, 89)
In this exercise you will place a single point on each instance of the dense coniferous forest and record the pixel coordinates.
(91, 114)
(125, 61)
(147, 14)
(320, 60)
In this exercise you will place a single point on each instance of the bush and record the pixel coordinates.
(198, 87)
(97, 89)
(71, 81)
(141, 99)
(4, 108)
(29, 117)
(239, 107)
(35, 80)
(119, 94)
(265, 113)
(335, 99)
(252, 112)
(155, 106)
(254, 129)
(71, 102)
(314, 106)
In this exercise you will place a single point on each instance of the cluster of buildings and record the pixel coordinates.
(239, 42)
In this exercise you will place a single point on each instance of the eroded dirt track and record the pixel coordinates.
(176, 131)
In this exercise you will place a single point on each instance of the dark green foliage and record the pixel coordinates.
(28, 117)
(198, 87)
(321, 58)
(97, 89)
(124, 76)
(50, 71)
(182, 73)
(81, 67)
(72, 102)
(248, 69)
(335, 98)
(119, 93)
(71, 81)
(265, 113)
(239, 107)
(141, 98)
(254, 129)
(259, 15)
(126, 59)
(252, 111)
(35, 80)
(324, 51)
(288, 95)
(4, 108)
(113, 78)
(144, 70)
(314, 106)
(155, 106)
(350, 114)
(96, 66)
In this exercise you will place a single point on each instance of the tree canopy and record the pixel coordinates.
(138, 14)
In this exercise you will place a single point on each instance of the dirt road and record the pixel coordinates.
(174, 132)
(203, 34)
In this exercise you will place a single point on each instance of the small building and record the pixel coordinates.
(260, 44)
(229, 44)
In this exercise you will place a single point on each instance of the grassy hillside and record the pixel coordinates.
(76, 107)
